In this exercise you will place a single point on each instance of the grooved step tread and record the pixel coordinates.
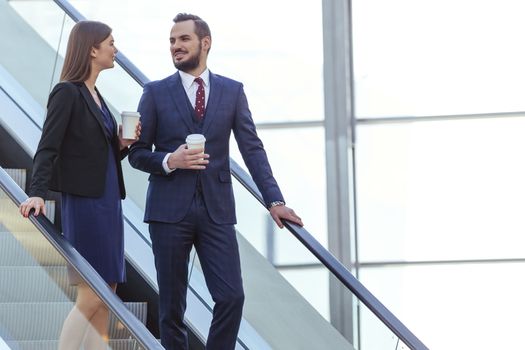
(18, 175)
(114, 344)
(43, 321)
(35, 284)
(14, 221)
(27, 249)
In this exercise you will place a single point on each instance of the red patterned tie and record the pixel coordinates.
(199, 99)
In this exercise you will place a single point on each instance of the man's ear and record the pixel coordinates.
(206, 43)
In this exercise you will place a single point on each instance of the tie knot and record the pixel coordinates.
(199, 81)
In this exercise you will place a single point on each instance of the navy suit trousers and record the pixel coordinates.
(218, 252)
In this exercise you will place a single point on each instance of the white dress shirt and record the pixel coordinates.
(190, 87)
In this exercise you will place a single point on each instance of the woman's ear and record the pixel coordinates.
(93, 52)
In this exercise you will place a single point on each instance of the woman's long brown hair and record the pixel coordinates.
(84, 36)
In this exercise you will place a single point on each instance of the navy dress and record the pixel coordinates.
(94, 226)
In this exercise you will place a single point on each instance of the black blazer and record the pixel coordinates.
(72, 152)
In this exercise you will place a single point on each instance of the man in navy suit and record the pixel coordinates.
(190, 196)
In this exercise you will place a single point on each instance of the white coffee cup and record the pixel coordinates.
(129, 124)
(195, 141)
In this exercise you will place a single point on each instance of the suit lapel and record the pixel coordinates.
(213, 101)
(93, 107)
(180, 99)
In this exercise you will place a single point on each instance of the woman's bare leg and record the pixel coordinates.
(88, 319)
(97, 335)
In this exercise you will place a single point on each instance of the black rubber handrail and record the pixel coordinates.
(90, 276)
(331, 263)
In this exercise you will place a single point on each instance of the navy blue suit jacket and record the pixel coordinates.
(166, 118)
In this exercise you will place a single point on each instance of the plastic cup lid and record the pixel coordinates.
(195, 138)
(130, 114)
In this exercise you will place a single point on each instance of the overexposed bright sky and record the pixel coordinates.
(416, 57)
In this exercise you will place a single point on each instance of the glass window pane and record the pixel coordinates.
(453, 307)
(297, 157)
(282, 69)
(441, 190)
(31, 58)
(438, 57)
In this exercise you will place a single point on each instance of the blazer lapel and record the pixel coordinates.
(213, 101)
(93, 107)
(180, 99)
(115, 124)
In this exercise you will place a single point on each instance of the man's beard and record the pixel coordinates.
(191, 63)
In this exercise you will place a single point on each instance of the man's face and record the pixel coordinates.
(185, 46)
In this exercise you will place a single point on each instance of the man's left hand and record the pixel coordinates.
(283, 212)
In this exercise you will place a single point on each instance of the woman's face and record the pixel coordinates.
(104, 55)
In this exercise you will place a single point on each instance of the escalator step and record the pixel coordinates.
(13, 221)
(43, 321)
(12, 252)
(27, 248)
(59, 276)
(50, 210)
(35, 284)
(19, 175)
(10, 216)
(114, 344)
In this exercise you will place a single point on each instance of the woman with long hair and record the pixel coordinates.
(79, 155)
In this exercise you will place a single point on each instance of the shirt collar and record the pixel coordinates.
(187, 79)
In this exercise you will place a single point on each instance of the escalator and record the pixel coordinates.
(35, 295)
(276, 315)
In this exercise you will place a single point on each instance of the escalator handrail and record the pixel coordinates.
(327, 259)
(73, 257)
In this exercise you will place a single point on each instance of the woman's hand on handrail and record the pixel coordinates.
(36, 203)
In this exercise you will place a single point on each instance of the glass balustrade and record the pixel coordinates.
(37, 299)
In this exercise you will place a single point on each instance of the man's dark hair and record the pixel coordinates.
(201, 27)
